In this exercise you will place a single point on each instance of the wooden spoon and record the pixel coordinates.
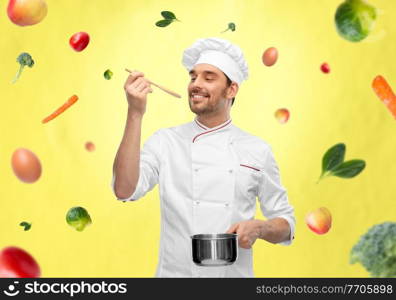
(160, 87)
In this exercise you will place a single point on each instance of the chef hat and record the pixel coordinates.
(219, 53)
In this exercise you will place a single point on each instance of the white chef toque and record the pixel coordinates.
(220, 53)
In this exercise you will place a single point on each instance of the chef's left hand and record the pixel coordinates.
(248, 232)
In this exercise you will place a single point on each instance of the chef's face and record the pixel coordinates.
(208, 90)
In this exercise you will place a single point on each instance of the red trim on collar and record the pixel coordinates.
(250, 167)
(210, 130)
(200, 125)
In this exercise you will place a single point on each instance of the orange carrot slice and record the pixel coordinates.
(385, 93)
(73, 99)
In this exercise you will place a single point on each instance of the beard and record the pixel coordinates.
(206, 107)
(202, 108)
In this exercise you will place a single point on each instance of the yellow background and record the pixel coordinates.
(123, 239)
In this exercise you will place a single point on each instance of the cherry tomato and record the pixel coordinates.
(17, 263)
(79, 41)
(325, 68)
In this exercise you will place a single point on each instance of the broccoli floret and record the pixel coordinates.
(24, 59)
(376, 250)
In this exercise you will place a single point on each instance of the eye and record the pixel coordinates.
(192, 78)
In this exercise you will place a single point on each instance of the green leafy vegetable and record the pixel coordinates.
(333, 163)
(349, 168)
(169, 17)
(376, 250)
(355, 19)
(78, 218)
(163, 23)
(108, 74)
(24, 59)
(231, 26)
(333, 157)
(26, 225)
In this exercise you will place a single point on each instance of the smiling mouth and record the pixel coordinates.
(197, 97)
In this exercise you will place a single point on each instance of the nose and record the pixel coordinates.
(197, 82)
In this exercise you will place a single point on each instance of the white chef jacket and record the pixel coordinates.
(209, 179)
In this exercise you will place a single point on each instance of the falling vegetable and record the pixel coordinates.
(355, 19)
(73, 99)
(169, 17)
(17, 263)
(325, 68)
(108, 74)
(385, 93)
(333, 163)
(78, 218)
(376, 250)
(24, 59)
(333, 157)
(163, 23)
(79, 41)
(349, 169)
(231, 26)
(90, 146)
(26, 225)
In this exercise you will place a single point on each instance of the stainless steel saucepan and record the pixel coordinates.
(213, 250)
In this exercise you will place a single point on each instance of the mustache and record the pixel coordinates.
(198, 91)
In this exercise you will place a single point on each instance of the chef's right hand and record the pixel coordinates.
(136, 89)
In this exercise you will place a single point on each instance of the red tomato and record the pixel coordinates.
(90, 146)
(17, 263)
(325, 68)
(79, 41)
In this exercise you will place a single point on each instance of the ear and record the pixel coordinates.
(232, 90)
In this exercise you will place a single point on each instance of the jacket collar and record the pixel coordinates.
(203, 130)
(202, 127)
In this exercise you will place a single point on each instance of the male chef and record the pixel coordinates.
(209, 171)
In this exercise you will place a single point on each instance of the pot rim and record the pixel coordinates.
(216, 236)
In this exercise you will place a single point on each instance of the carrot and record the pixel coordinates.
(73, 99)
(385, 93)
